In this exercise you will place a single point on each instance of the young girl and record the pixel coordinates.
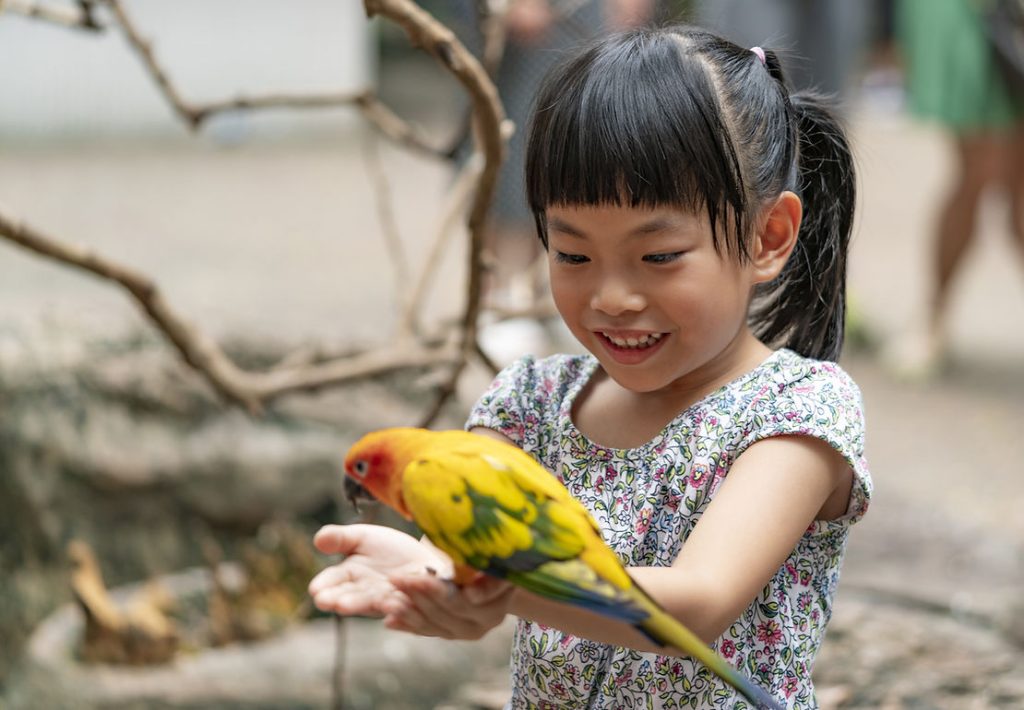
(696, 218)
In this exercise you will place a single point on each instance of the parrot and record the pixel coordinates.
(495, 510)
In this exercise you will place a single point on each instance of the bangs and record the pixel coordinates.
(634, 122)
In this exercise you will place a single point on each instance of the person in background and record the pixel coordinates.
(952, 79)
(821, 43)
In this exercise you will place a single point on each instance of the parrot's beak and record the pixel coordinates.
(355, 492)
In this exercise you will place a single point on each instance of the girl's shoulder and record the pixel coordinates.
(532, 392)
(799, 396)
(785, 379)
(545, 376)
(788, 378)
(787, 369)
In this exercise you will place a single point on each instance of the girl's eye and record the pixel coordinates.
(663, 258)
(563, 258)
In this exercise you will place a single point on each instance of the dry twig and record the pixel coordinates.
(194, 115)
(80, 18)
(489, 116)
(253, 390)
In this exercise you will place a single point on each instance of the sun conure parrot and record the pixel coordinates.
(492, 508)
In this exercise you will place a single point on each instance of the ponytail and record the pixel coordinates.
(804, 308)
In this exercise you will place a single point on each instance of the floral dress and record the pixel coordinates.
(646, 501)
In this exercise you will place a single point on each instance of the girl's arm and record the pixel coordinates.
(772, 493)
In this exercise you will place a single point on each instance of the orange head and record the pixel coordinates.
(375, 463)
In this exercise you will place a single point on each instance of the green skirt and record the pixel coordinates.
(951, 74)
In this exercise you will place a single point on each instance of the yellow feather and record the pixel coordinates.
(491, 505)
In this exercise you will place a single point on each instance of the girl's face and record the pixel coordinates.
(645, 291)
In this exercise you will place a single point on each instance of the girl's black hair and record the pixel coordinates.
(681, 117)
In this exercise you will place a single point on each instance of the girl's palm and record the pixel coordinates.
(360, 584)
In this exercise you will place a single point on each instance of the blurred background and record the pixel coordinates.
(122, 470)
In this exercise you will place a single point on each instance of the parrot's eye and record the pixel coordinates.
(360, 468)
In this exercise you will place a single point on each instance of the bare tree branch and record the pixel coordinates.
(197, 350)
(489, 116)
(398, 130)
(455, 207)
(386, 218)
(252, 390)
(80, 18)
(144, 49)
(194, 115)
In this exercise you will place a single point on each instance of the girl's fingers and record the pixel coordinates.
(363, 596)
(487, 590)
(440, 605)
(335, 575)
(336, 539)
(406, 617)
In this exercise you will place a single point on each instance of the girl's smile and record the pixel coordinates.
(631, 347)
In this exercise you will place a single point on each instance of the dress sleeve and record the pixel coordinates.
(822, 402)
(505, 407)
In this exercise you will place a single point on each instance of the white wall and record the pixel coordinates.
(62, 83)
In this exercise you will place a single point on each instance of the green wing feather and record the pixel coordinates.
(505, 520)
(491, 506)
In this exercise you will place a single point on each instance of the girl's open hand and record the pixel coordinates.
(360, 584)
(428, 605)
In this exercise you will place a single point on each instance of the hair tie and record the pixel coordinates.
(759, 52)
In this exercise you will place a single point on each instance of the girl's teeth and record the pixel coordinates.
(642, 341)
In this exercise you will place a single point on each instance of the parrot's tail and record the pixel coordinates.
(663, 628)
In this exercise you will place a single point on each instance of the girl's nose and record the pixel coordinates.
(615, 297)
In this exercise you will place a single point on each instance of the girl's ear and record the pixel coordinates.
(775, 240)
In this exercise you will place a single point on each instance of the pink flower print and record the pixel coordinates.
(815, 615)
(565, 640)
(624, 678)
(727, 649)
(559, 690)
(805, 577)
(791, 571)
(662, 685)
(673, 502)
(790, 685)
(803, 602)
(644, 523)
(769, 633)
(610, 473)
(599, 485)
(698, 474)
(677, 669)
